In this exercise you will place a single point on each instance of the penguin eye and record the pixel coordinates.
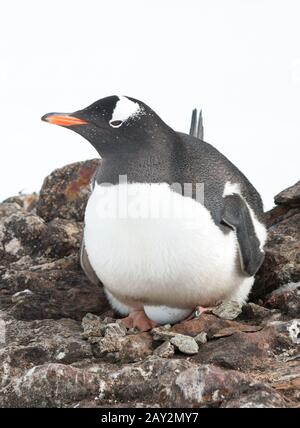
(115, 123)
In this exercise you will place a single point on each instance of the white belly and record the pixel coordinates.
(151, 245)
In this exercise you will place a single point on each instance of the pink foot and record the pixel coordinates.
(138, 319)
(199, 310)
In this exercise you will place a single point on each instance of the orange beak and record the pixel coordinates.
(63, 119)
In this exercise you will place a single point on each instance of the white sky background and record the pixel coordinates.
(237, 59)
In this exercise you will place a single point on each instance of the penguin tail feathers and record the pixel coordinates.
(196, 128)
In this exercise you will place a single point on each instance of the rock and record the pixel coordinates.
(185, 344)
(228, 310)
(51, 385)
(151, 378)
(65, 191)
(20, 233)
(124, 349)
(60, 238)
(115, 329)
(40, 274)
(225, 332)
(136, 347)
(161, 333)
(252, 311)
(165, 350)
(257, 400)
(61, 345)
(37, 342)
(285, 298)
(278, 214)
(282, 258)
(21, 295)
(201, 338)
(289, 196)
(28, 202)
(207, 323)
(8, 208)
(210, 326)
(290, 329)
(286, 378)
(59, 289)
(209, 386)
(109, 340)
(93, 326)
(294, 331)
(243, 351)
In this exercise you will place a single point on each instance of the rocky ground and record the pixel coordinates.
(61, 345)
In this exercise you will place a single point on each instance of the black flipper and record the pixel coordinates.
(196, 129)
(236, 215)
(86, 266)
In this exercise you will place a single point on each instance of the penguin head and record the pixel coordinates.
(113, 124)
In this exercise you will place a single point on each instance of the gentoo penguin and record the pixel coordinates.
(171, 223)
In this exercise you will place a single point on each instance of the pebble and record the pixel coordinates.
(115, 329)
(201, 338)
(165, 350)
(227, 310)
(185, 344)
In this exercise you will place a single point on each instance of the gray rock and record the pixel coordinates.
(228, 310)
(115, 329)
(61, 345)
(290, 196)
(259, 314)
(92, 326)
(185, 344)
(290, 329)
(17, 297)
(257, 400)
(26, 201)
(282, 261)
(8, 208)
(209, 386)
(165, 350)
(286, 299)
(59, 289)
(66, 190)
(51, 385)
(160, 333)
(123, 349)
(201, 338)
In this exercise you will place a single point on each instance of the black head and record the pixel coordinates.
(114, 125)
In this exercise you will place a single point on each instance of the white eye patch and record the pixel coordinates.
(124, 110)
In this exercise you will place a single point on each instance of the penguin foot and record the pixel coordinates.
(138, 319)
(199, 310)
